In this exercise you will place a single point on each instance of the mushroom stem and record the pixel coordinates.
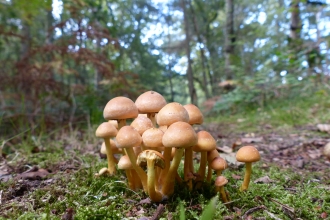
(187, 166)
(202, 166)
(221, 190)
(110, 158)
(167, 158)
(121, 123)
(168, 185)
(154, 194)
(130, 180)
(152, 117)
(246, 181)
(209, 173)
(140, 172)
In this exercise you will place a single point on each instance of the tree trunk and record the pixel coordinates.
(190, 77)
(229, 39)
(295, 26)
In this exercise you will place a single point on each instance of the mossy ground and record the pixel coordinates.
(72, 157)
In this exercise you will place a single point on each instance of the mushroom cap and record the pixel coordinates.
(172, 112)
(106, 130)
(153, 138)
(212, 154)
(114, 122)
(127, 137)
(205, 142)
(150, 102)
(120, 108)
(141, 124)
(150, 155)
(326, 150)
(247, 154)
(180, 135)
(220, 181)
(195, 115)
(114, 148)
(124, 163)
(218, 163)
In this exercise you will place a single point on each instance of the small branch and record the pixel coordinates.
(159, 212)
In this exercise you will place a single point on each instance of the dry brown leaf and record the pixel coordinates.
(264, 179)
(39, 174)
(225, 149)
(252, 139)
(323, 127)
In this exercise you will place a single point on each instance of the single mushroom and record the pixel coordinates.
(179, 135)
(220, 183)
(195, 118)
(120, 108)
(169, 114)
(152, 159)
(114, 149)
(248, 155)
(205, 144)
(141, 124)
(218, 164)
(151, 103)
(210, 156)
(125, 164)
(127, 138)
(106, 131)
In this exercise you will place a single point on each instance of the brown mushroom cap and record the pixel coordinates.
(172, 112)
(218, 163)
(120, 108)
(153, 155)
(106, 130)
(205, 142)
(127, 137)
(179, 134)
(124, 163)
(150, 102)
(195, 115)
(153, 138)
(247, 154)
(220, 181)
(141, 124)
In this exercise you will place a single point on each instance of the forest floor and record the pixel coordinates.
(53, 178)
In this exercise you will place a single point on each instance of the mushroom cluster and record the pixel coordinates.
(154, 143)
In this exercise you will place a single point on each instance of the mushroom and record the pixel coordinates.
(106, 131)
(141, 124)
(248, 155)
(151, 159)
(120, 108)
(169, 114)
(125, 164)
(218, 164)
(195, 117)
(326, 150)
(220, 182)
(114, 149)
(205, 143)
(127, 138)
(210, 156)
(150, 102)
(179, 135)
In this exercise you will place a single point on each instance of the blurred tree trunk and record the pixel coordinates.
(229, 39)
(190, 76)
(202, 56)
(26, 41)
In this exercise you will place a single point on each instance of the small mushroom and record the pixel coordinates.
(248, 155)
(128, 138)
(106, 131)
(125, 164)
(220, 183)
(326, 150)
(218, 164)
(152, 159)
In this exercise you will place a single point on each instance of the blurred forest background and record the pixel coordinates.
(62, 60)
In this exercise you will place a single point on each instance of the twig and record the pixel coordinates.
(159, 212)
(1, 196)
(281, 204)
(255, 209)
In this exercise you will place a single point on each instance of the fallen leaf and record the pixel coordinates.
(145, 201)
(252, 139)
(264, 179)
(39, 174)
(231, 159)
(225, 149)
(323, 127)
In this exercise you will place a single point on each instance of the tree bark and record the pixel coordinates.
(190, 76)
(229, 39)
